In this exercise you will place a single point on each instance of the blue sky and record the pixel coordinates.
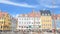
(14, 7)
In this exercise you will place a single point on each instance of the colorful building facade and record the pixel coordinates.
(56, 21)
(5, 23)
(46, 19)
(29, 21)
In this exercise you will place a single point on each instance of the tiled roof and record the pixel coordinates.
(32, 14)
(3, 14)
(56, 16)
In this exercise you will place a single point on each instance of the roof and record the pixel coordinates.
(45, 12)
(32, 14)
(3, 13)
(57, 16)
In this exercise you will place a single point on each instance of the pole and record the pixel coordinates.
(53, 3)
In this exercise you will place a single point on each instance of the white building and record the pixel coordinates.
(28, 21)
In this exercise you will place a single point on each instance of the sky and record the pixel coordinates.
(14, 7)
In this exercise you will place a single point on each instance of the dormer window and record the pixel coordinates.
(45, 14)
(48, 14)
(42, 14)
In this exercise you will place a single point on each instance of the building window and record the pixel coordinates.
(9, 23)
(22, 26)
(45, 14)
(6, 26)
(29, 26)
(48, 14)
(22, 18)
(38, 22)
(26, 27)
(50, 24)
(45, 24)
(32, 22)
(0, 26)
(42, 14)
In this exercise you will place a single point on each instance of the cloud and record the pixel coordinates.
(51, 6)
(17, 4)
(48, 3)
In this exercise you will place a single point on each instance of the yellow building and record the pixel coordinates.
(46, 19)
(5, 24)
